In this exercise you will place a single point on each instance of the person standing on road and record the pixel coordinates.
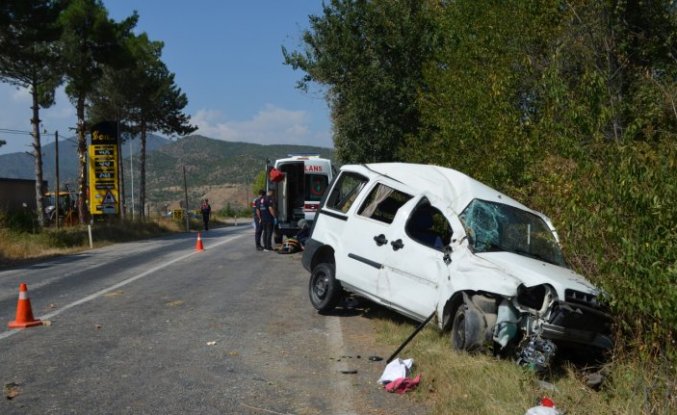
(206, 212)
(267, 215)
(257, 221)
(272, 202)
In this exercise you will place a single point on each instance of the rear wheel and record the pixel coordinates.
(323, 289)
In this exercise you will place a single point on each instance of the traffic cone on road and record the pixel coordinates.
(24, 313)
(198, 244)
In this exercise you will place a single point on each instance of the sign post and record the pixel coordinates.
(104, 194)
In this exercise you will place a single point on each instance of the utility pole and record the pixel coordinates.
(267, 167)
(185, 192)
(57, 199)
(131, 167)
(122, 200)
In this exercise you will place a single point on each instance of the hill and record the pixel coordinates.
(219, 170)
(22, 165)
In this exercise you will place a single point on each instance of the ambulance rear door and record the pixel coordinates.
(316, 179)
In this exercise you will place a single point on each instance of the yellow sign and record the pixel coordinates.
(104, 196)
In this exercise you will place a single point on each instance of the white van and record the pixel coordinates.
(301, 186)
(431, 241)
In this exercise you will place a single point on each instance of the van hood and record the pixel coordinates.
(533, 272)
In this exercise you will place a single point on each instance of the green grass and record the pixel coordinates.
(459, 383)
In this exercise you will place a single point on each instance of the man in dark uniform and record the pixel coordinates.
(206, 210)
(257, 221)
(267, 215)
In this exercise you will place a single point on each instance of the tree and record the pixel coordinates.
(483, 94)
(29, 58)
(151, 99)
(570, 106)
(143, 96)
(259, 182)
(369, 55)
(90, 42)
(158, 103)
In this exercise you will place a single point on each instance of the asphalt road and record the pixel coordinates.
(155, 327)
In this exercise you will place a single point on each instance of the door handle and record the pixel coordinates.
(380, 239)
(398, 244)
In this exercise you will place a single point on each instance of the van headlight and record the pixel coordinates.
(537, 297)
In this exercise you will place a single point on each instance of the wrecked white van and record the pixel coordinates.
(423, 239)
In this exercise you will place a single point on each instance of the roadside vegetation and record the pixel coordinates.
(568, 106)
(22, 240)
(458, 383)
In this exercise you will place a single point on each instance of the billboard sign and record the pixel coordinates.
(104, 196)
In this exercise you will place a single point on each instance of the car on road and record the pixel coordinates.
(428, 241)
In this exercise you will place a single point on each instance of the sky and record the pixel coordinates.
(226, 55)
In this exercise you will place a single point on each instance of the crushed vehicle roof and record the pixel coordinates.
(448, 184)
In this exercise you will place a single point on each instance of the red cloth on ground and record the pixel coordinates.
(402, 385)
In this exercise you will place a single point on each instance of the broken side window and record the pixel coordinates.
(428, 226)
(383, 203)
(345, 191)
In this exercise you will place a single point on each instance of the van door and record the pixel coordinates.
(366, 237)
(415, 260)
(290, 192)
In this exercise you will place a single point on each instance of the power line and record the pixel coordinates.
(15, 132)
(22, 132)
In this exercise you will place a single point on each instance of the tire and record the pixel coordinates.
(323, 289)
(466, 333)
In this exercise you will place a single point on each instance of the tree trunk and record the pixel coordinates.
(142, 176)
(37, 152)
(82, 160)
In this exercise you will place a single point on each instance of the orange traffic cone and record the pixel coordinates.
(198, 244)
(24, 313)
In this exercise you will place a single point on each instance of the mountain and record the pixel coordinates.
(22, 165)
(220, 170)
(210, 164)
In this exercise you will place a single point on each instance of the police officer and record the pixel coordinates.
(267, 215)
(257, 220)
(206, 210)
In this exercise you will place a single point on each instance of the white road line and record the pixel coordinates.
(97, 294)
(342, 393)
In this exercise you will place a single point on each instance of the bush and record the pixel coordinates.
(20, 221)
(616, 215)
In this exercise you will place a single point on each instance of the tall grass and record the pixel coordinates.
(459, 383)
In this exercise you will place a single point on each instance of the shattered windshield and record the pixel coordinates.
(495, 227)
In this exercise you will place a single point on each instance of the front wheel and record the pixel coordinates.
(466, 330)
(323, 289)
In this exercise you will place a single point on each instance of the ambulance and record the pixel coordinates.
(299, 182)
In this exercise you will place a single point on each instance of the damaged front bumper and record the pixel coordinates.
(564, 323)
(579, 324)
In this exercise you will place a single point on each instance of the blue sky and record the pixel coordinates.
(227, 59)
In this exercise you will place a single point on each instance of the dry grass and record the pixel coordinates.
(458, 383)
(19, 246)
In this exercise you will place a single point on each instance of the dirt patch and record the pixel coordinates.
(238, 195)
